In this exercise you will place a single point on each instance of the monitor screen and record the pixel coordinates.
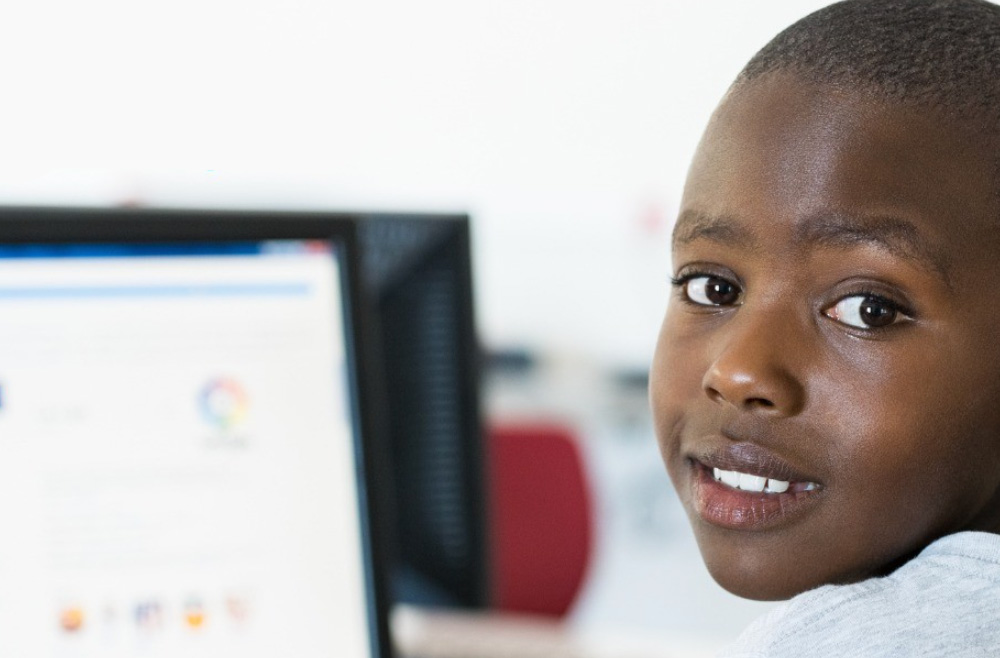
(178, 453)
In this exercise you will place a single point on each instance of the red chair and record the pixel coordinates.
(541, 528)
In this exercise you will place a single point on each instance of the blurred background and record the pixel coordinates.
(563, 129)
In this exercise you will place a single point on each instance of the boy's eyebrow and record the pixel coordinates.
(895, 235)
(694, 225)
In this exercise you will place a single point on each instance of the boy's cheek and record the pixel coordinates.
(675, 388)
(676, 374)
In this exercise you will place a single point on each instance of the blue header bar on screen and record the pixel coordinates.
(64, 252)
(164, 249)
(157, 291)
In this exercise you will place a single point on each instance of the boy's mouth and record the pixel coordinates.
(743, 486)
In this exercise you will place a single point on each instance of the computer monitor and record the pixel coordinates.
(183, 448)
(417, 276)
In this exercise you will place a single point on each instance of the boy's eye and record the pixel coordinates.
(864, 312)
(711, 291)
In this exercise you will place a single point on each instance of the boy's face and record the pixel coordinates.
(835, 329)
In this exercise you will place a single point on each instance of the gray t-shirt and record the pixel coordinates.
(944, 602)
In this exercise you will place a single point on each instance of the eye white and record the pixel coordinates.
(848, 311)
(696, 291)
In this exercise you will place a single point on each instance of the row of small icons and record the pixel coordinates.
(222, 401)
(153, 615)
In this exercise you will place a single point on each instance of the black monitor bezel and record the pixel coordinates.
(76, 225)
(449, 237)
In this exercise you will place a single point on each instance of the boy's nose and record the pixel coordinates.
(754, 366)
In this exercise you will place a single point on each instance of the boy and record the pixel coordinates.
(826, 386)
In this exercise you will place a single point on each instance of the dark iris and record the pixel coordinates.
(876, 313)
(721, 292)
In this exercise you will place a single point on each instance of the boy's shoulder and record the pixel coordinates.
(941, 603)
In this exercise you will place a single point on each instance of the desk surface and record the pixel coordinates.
(424, 633)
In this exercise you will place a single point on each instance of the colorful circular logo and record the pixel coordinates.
(224, 403)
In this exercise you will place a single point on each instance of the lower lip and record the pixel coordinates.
(723, 506)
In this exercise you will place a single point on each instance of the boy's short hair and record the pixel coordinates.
(943, 54)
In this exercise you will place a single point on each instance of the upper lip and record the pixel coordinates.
(751, 458)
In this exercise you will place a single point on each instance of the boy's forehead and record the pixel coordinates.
(783, 150)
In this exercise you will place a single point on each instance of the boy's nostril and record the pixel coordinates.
(749, 403)
(714, 395)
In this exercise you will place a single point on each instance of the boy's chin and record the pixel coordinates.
(751, 586)
(760, 575)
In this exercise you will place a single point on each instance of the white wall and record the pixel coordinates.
(564, 126)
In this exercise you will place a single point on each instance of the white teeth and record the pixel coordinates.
(732, 478)
(752, 482)
(776, 486)
(756, 483)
